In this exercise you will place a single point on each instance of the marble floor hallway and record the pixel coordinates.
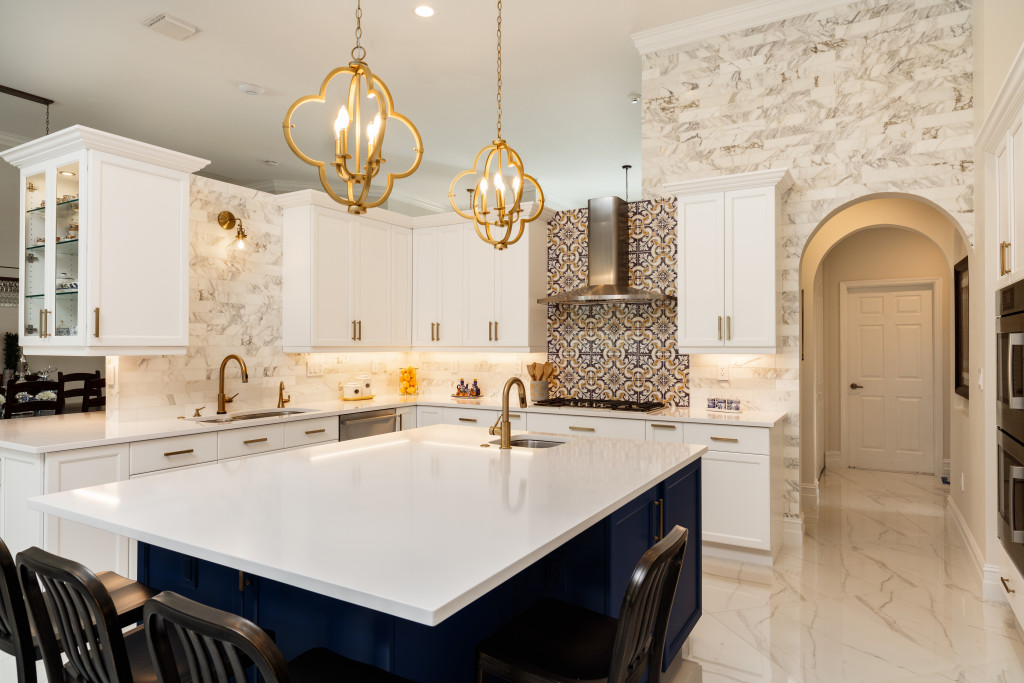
(882, 590)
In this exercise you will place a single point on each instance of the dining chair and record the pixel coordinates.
(64, 392)
(94, 397)
(33, 389)
(556, 642)
(78, 617)
(219, 646)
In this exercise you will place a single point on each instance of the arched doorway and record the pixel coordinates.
(876, 237)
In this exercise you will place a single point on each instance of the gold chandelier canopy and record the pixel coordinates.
(354, 167)
(496, 210)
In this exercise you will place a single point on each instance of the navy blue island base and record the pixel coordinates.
(591, 570)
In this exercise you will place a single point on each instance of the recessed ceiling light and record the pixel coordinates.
(172, 27)
(66, 172)
(251, 89)
(425, 11)
(270, 162)
(634, 98)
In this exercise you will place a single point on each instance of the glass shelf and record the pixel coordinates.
(60, 292)
(43, 208)
(59, 244)
(34, 296)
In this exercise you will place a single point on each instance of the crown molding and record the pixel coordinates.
(279, 187)
(77, 138)
(780, 178)
(1006, 107)
(714, 24)
(8, 140)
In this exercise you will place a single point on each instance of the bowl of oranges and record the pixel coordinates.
(407, 383)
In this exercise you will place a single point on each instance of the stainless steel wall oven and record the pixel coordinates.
(1010, 420)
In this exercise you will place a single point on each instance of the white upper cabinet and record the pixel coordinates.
(346, 281)
(727, 250)
(438, 276)
(104, 245)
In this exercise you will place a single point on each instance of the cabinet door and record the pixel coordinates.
(681, 504)
(66, 313)
(401, 286)
(513, 302)
(20, 479)
(631, 531)
(750, 268)
(406, 418)
(33, 272)
(427, 416)
(426, 274)
(454, 272)
(736, 505)
(701, 270)
(1016, 178)
(666, 432)
(1004, 203)
(482, 280)
(98, 550)
(332, 294)
(371, 282)
(137, 236)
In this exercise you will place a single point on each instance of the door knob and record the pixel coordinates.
(854, 385)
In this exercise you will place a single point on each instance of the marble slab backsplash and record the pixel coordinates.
(235, 307)
(617, 351)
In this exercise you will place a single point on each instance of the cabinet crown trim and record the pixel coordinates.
(1006, 107)
(302, 198)
(780, 178)
(77, 138)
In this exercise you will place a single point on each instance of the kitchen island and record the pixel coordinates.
(406, 549)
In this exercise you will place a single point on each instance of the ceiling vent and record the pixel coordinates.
(172, 27)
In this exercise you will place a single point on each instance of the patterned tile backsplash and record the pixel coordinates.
(618, 351)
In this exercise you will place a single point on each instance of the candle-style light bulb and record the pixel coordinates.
(499, 188)
(515, 184)
(372, 130)
(483, 185)
(341, 123)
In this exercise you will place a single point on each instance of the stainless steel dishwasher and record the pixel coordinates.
(370, 423)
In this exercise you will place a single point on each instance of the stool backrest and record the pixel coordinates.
(218, 646)
(64, 392)
(15, 633)
(81, 611)
(643, 620)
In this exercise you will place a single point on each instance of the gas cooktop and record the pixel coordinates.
(601, 404)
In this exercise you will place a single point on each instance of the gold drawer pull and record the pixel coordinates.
(467, 419)
(96, 332)
(513, 416)
(315, 431)
(251, 441)
(1006, 586)
(661, 426)
(185, 452)
(574, 428)
(725, 439)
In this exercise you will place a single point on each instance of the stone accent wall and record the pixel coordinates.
(872, 98)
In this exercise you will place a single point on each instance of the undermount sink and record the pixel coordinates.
(253, 415)
(530, 442)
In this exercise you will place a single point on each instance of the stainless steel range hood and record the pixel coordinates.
(608, 273)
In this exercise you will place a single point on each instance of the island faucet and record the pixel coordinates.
(503, 428)
(223, 400)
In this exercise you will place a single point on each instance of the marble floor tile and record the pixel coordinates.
(883, 589)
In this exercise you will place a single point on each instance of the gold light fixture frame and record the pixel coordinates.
(227, 221)
(497, 230)
(359, 177)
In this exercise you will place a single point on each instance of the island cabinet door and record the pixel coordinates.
(681, 504)
(631, 532)
(211, 584)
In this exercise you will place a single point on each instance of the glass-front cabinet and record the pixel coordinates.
(104, 244)
(51, 258)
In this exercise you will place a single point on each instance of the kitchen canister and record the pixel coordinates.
(538, 391)
(366, 383)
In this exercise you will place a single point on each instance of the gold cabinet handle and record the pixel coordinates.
(439, 332)
(490, 330)
(655, 425)
(41, 335)
(513, 416)
(353, 330)
(495, 330)
(661, 515)
(1003, 268)
(252, 441)
(184, 452)
(728, 327)
(46, 322)
(315, 431)
(719, 328)
(1006, 586)
(96, 327)
(725, 439)
(360, 336)
(574, 428)
(467, 419)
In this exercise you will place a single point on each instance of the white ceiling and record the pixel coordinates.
(569, 66)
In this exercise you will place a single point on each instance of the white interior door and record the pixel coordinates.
(888, 378)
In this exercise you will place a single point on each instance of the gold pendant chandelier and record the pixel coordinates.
(504, 167)
(354, 168)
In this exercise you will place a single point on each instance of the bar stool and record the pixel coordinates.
(78, 617)
(555, 642)
(219, 645)
(17, 636)
(94, 397)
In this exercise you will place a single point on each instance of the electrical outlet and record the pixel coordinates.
(961, 482)
(314, 369)
(374, 366)
(723, 373)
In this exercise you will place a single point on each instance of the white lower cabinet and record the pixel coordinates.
(309, 432)
(427, 416)
(235, 443)
(667, 432)
(157, 455)
(98, 550)
(406, 418)
(576, 425)
(469, 417)
(735, 499)
(21, 477)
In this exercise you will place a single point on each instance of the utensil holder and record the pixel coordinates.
(538, 391)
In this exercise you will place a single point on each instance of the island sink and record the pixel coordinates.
(530, 442)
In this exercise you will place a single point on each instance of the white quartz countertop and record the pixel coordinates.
(82, 430)
(416, 524)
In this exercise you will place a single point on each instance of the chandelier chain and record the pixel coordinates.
(47, 119)
(359, 52)
(499, 69)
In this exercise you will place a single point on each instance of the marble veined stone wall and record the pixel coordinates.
(874, 97)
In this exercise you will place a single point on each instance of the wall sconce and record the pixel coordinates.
(227, 220)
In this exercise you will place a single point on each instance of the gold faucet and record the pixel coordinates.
(222, 400)
(281, 398)
(503, 428)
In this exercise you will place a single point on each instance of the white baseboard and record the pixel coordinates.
(736, 554)
(793, 531)
(977, 558)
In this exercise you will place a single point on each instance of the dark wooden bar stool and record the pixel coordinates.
(555, 642)
(78, 616)
(14, 387)
(64, 392)
(94, 397)
(219, 646)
